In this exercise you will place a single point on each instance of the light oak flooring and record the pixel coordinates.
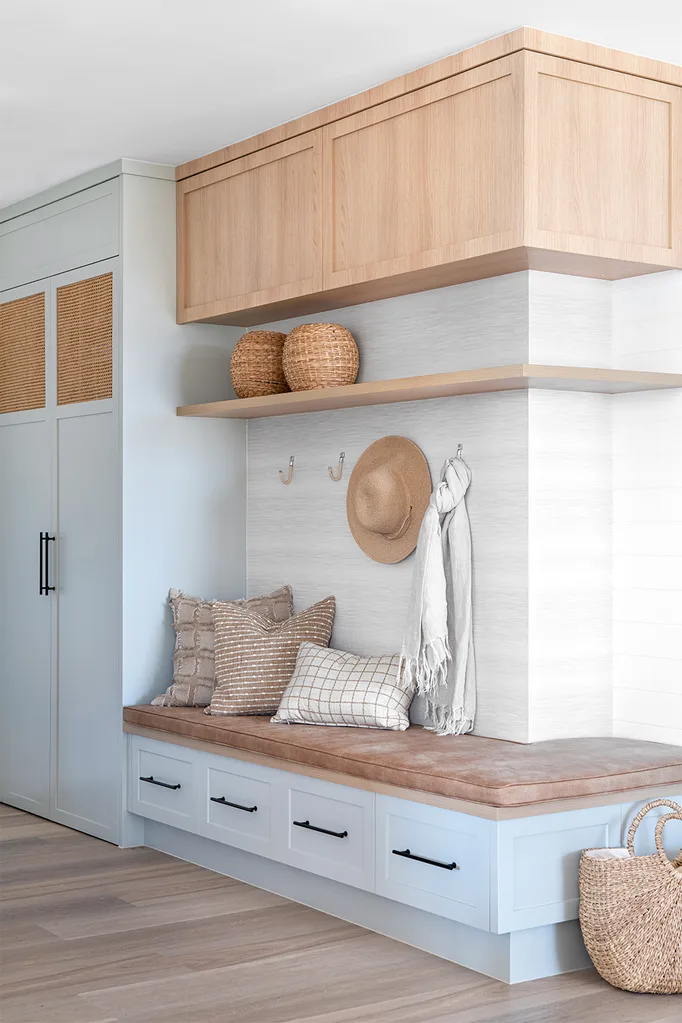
(94, 934)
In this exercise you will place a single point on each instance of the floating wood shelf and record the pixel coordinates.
(438, 385)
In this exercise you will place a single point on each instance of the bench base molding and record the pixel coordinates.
(512, 958)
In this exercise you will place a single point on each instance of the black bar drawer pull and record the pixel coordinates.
(423, 859)
(323, 831)
(237, 806)
(164, 784)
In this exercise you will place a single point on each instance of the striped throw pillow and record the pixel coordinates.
(330, 687)
(193, 659)
(255, 657)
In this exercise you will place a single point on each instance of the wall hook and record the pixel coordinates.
(289, 478)
(338, 473)
(459, 451)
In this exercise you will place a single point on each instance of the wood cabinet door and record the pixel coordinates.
(249, 233)
(427, 179)
(604, 163)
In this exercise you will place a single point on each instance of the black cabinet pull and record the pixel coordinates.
(423, 859)
(151, 780)
(323, 831)
(237, 806)
(44, 570)
(41, 570)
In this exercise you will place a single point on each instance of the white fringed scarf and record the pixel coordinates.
(438, 646)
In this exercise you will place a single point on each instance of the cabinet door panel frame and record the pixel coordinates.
(507, 67)
(311, 141)
(537, 65)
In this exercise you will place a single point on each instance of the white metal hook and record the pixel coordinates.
(338, 473)
(459, 451)
(289, 478)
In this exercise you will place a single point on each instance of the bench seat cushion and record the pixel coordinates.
(489, 771)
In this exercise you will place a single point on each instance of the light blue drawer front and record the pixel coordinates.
(433, 859)
(535, 865)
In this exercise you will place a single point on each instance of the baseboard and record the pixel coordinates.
(511, 958)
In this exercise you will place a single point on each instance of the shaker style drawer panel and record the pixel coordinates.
(162, 783)
(237, 808)
(330, 831)
(537, 864)
(436, 860)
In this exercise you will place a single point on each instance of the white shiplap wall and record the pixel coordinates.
(559, 553)
(647, 496)
(569, 565)
(299, 534)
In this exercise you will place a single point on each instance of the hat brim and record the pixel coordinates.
(410, 462)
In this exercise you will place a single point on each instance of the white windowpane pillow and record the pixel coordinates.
(330, 687)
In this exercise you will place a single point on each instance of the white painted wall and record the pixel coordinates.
(183, 480)
(647, 508)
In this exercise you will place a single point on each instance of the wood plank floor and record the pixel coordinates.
(94, 934)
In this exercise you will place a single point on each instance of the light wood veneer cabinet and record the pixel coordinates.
(530, 160)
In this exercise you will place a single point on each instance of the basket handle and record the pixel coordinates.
(642, 814)
(660, 824)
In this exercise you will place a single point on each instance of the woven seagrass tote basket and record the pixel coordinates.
(631, 912)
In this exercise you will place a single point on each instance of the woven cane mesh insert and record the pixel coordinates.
(22, 354)
(84, 337)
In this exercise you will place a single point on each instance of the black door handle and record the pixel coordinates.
(423, 859)
(323, 831)
(164, 784)
(237, 806)
(45, 589)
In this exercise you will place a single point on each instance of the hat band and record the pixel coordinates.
(402, 529)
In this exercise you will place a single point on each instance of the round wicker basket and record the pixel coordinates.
(256, 365)
(320, 355)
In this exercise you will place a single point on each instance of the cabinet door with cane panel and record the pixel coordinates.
(25, 516)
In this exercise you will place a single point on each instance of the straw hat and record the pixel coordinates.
(388, 493)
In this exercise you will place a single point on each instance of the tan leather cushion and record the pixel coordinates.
(488, 771)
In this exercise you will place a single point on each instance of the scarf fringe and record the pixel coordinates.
(428, 671)
(447, 720)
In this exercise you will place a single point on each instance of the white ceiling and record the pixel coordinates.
(85, 82)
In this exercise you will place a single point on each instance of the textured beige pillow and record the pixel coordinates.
(255, 658)
(193, 660)
(330, 687)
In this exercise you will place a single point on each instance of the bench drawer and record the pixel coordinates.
(162, 783)
(238, 800)
(330, 831)
(437, 860)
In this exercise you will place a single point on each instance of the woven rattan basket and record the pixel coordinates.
(631, 912)
(320, 355)
(256, 365)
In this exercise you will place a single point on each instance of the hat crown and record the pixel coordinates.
(388, 493)
(382, 502)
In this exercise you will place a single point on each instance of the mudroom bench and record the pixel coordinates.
(467, 848)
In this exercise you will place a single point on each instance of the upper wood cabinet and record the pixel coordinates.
(425, 180)
(603, 163)
(530, 160)
(249, 232)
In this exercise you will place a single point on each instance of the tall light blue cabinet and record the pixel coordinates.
(94, 526)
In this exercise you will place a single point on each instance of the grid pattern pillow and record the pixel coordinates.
(330, 687)
(255, 657)
(193, 659)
